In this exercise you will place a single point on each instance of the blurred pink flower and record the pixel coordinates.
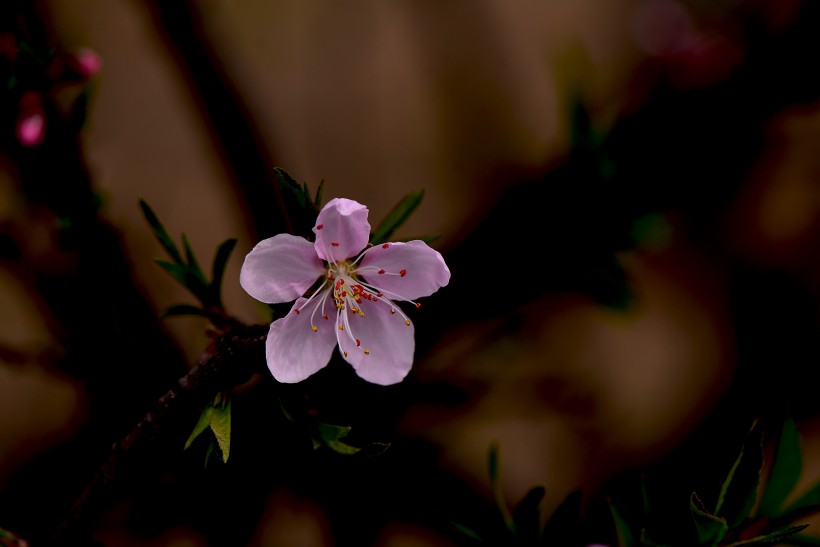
(31, 120)
(88, 61)
(358, 287)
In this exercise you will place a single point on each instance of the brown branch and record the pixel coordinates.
(231, 359)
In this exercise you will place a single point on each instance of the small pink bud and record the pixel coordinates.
(88, 61)
(31, 128)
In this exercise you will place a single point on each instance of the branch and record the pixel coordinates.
(231, 359)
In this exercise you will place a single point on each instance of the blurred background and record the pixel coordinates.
(627, 193)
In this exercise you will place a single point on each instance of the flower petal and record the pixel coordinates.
(293, 349)
(424, 269)
(385, 336)
(280, 269)
(342, 230)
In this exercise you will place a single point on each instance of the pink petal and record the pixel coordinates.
(342, 230)
(386, 336)
(280, 269)
(293, 349)
(424, 269)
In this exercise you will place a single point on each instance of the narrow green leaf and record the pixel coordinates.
(527, 515)
(193, 265)
(331, 435)
(342, 447)
(177, 271)
(220, 422)
(300, 209)
(183, 309)
(787, 467)
(467, 531)
(498, 492)
(622, 530)
(396, 217)
(807, 503)
(739, 490)
(160, 232)
(317, 201)
(710, 528)
(201, 425)
(218, 270)
(774, 537)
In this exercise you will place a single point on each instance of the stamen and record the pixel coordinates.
(358, 342)
(314, 328)
(407, 322)
(403, 273)
(381, 272)
(341, 327)
(386, 245)
(345, 353)
(367, 352)
(320, 226)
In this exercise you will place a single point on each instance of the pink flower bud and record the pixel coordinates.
(31, 128)
(31, 121)
(88, 61)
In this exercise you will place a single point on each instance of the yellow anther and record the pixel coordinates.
(341, 327)
(361, 314)
(367, 352)
(345, 353)
(407, 322)
(314, 328)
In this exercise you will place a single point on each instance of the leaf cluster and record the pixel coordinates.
(750, 508)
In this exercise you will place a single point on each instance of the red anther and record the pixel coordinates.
(403, 273)
(379, 294)
(418, 305)
(296, 311)
(358, 342)
(335, 243)
(386, 245)
(330, 275)
(381, 272)
(344, 294)
(320, 226)
(324, 316)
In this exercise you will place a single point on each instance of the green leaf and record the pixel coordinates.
(301, 210)
(317, 201)
(739, 490)
(330, 435)
(710, 528)
(177, 271)
(396, 217)
(160, 232)
(193, 265)
(787, 467)
(527, 515)
(467, 531)
(218, 270)
(622, 530)
(201, 425)
(220, 422)
(774, 537)
(498, 493)
(807, 503)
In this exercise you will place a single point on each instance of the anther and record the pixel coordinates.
(341, 327)
(314, 328)
(334, 243)
(367, 352)
(407, 322)
(324, 316)
(403, 273)
(381, 272)
(345, 353)
(386, 245)
(296, 311)
(358, 342)
(392, 312)
(320, 226)
(418, 305)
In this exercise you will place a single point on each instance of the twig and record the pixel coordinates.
(233, 357)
